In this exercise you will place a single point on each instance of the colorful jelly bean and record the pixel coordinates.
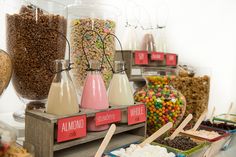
(164, 103)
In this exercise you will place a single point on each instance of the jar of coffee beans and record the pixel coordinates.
(34, 34)
(90, 15)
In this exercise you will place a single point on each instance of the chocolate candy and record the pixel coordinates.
(164, 103)
(223, 126)
(180, 142)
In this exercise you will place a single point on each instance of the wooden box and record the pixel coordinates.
(134, 71)
(41, 128)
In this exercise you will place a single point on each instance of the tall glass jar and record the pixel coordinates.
(34, 35)
(164, 103)
(90, 15)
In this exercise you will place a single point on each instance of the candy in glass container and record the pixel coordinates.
(164, 103)
(91, 15)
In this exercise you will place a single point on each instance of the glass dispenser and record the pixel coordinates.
(33, 37)
(33, 40)
(91, 15)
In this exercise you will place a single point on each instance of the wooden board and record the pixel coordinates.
(41, 132)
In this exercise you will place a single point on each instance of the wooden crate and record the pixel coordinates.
(131, 66)
(40, 132)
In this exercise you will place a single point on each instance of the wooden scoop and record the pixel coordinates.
(212, 114)
(106, 140)
(199, 121)
(181, 127)
(230, 107)
(157, 134)
(229, 110)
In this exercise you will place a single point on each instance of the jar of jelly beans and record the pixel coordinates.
(164, 103)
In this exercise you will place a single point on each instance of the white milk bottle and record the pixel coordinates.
(62, 97)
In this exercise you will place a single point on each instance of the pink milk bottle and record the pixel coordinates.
(94, 95)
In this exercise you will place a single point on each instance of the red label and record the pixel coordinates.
(157, 56)
(71, 128)
(108, 117)
(141, 57)
(136, 114)
(171, 59)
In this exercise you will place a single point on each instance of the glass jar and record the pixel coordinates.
(90, 15)
(5, 70)
(34, 32)
(164, 103)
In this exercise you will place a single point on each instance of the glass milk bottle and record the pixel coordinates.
(120, 92)
(62, 98)
(94, 95)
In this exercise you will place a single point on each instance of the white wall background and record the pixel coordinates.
(202, 32)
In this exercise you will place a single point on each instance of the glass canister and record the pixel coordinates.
(90, 15)
(164, 103)
(33, 38)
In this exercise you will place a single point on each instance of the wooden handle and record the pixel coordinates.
(106, 140)
(181, 126)
(230, 107)
(212, 114)
(199, 121)
(157, 134)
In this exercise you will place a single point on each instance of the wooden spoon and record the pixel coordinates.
(106, 140)
(230, 107)
(157, 134)
(199, 121)
(212, 114)
(181, 126)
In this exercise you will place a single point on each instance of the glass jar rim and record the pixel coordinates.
(84, 6)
